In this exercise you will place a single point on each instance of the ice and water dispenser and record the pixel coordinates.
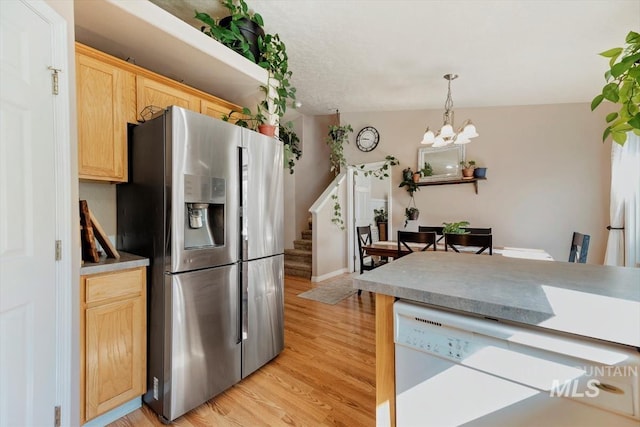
(204, 199)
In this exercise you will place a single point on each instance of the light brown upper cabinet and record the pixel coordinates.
(111, 93)
(106, 102)
(157, 95)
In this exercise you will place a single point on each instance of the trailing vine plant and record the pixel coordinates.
(291, 145)
(338, 136)
(383, 171)
(337, 213)
(623, 88)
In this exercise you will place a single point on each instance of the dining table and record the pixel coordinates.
(389, 249)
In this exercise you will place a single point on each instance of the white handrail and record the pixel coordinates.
(327, 193)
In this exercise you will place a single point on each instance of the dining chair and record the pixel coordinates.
(432, 229)
(471, 230)
(438, 230)
(428, 238)
(579, 248)
(483, 241)
(366, 262)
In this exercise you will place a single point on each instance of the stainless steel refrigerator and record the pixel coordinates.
(204, 202)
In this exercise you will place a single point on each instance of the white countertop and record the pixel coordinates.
(596, 301)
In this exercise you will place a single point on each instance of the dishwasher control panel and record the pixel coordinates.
(424, 338)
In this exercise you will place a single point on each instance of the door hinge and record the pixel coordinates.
(54, 79)
(58, 250)
(57, 421)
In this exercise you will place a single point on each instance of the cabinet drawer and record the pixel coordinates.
(116, 284)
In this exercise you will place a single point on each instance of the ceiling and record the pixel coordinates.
(381, 55)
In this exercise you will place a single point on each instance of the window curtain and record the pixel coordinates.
(623, 245)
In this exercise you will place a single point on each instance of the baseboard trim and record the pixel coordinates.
(116, 413)
(329, 275)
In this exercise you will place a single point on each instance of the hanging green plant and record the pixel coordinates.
(337, 212)
(338, 136)
(383, 171)
(291, 145)
(623, 87)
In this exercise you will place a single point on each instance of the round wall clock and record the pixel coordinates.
(367, 138)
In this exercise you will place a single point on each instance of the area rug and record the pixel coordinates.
(331, 291)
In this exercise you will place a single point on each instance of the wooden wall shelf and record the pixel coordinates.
(453, 181)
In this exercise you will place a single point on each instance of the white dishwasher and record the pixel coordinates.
(454, 369)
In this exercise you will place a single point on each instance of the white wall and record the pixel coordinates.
(548, 173)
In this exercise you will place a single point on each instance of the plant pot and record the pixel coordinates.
(467, 173)
(416, 177)
(250, 31)
(269, 130)
(413, 215)
(382, 231)
(480, 172)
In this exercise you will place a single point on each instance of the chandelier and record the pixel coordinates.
(446, 135)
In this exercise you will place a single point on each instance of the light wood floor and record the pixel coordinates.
(324, 377)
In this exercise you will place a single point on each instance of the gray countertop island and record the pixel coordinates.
(595, 301)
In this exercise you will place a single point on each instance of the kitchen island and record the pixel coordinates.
(593, 301)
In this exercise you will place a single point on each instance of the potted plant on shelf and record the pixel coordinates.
(271, 55)
(467, 168)
(426, 170)
(623, 87)
(408, 181)
(239, 31)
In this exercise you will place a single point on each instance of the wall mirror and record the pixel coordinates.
(444, 161)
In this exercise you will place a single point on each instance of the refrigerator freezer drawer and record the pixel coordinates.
(203, 340)
(263, 305)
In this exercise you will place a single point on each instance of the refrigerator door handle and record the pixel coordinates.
(244, 303)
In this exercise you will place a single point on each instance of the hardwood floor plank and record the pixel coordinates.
(324, 377)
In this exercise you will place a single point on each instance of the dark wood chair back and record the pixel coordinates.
(484, 241)
(579, 248)
(428, 238)
(471, 230)
(431, 229)
(364, 239)
(439, 233)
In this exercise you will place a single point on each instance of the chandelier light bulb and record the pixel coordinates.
(447, 135)
(439, 142)
(429, 137)
(447, 131)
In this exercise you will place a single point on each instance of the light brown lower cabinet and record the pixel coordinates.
(113, 340)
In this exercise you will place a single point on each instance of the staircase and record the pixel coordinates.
(297, 261)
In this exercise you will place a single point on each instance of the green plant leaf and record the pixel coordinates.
(606, 133)
(615, 52)
(620, 68)
(635, 121)
(257, 18)
(610, 92)
(619, 137)
(611, 117)
(596, 101)
(633, 38)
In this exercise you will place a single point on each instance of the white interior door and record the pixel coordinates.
(28, 364)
